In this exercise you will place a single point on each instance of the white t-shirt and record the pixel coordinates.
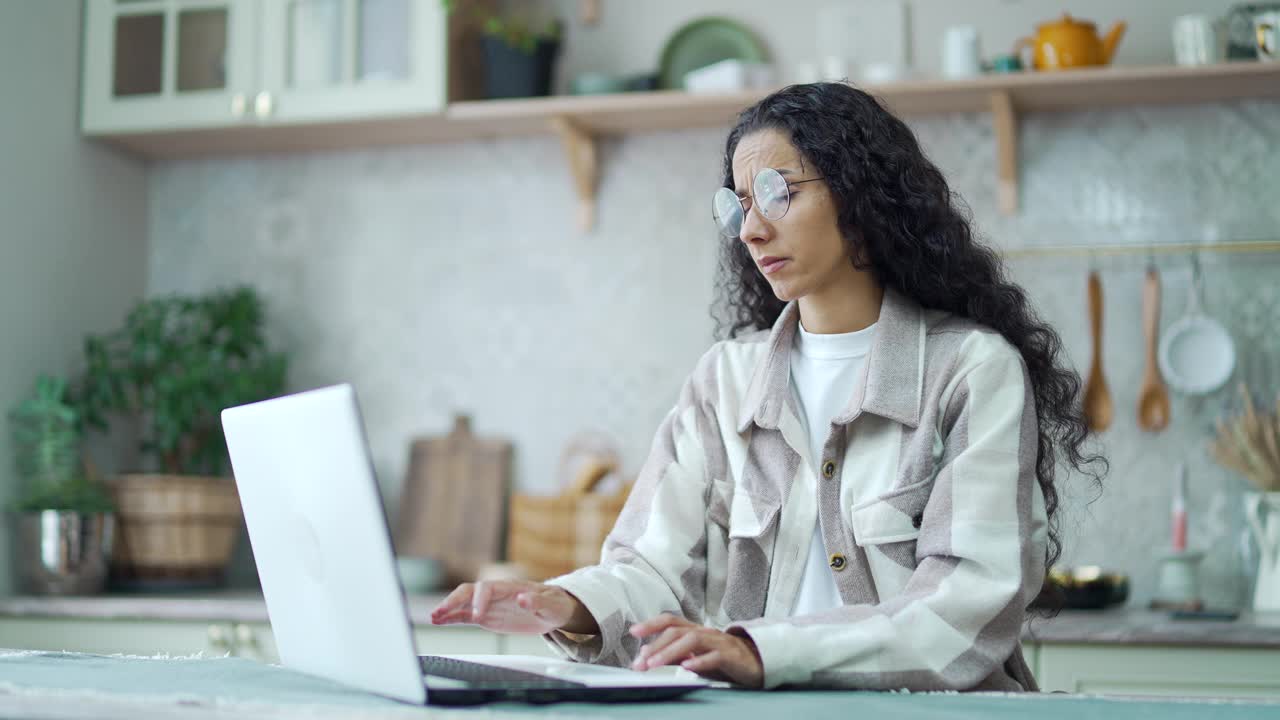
(823, 370)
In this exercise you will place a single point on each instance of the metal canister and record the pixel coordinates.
(62, 553)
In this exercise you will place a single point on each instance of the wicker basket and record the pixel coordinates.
(174, 527)
(553, 535)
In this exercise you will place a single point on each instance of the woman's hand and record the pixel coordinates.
(513, 606)
(709, 652)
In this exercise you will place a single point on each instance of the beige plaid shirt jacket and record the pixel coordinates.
(926, 496)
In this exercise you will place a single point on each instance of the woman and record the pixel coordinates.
(857, 488)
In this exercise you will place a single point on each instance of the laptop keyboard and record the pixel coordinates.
(489, 676)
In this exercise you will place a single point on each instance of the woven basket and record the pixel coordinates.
(553, 535)
(173, 527)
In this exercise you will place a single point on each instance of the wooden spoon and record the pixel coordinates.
(1097, 399)
(1153, 399)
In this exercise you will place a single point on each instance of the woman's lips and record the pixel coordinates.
(772, 265)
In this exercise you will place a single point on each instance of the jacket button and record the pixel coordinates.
(837, 562)
(828, 469)
(915, 521)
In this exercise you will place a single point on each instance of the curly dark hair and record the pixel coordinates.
(901, 221)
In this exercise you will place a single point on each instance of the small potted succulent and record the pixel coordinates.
(177, 362)
(519, 55)
(62, 518)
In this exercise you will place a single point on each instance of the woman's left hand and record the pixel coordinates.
(709, 652)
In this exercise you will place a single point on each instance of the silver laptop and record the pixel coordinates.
(324, 556)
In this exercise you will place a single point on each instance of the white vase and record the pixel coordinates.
(1262, 510)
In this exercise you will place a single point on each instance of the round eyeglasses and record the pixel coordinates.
(770, 195)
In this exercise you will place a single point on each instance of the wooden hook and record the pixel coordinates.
(590, 12)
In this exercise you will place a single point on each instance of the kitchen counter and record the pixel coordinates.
(72, 686)
(1133, 626)
(225, 606)
(1117, 626)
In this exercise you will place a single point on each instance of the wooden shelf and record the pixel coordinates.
(578, 120)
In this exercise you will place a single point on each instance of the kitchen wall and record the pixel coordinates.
(451, 278)
(73, 253)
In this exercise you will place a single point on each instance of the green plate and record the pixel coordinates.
(703, 42)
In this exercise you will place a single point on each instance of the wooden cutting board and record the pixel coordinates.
(454, 500)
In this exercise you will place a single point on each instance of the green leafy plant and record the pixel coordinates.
(176, 363)
(523, 35)
(45, 430)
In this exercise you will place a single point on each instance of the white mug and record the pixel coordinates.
(960, 54)
(835, 69)
(1195, 40)
(1266, 28)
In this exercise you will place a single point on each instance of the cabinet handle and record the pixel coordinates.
(262, 105)
(220, 638)
(238, 105)
(246, 639)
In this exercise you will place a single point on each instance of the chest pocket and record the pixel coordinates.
(740, 513)
(750, 526)
(891, 517)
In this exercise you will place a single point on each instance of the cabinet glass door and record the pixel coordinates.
(336, 59)
(160, 64)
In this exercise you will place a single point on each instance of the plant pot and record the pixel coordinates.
(511, 72)
(60, 552)
(174, 532)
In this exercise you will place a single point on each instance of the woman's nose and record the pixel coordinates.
(754, 227)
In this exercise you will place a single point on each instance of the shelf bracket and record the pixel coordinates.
(580, 150)
(1004, 119)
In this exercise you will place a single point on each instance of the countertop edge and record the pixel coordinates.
(1117, 626)
(242, 607)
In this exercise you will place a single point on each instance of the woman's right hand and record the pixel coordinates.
(514, 606)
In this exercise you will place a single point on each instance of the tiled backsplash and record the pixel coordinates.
(451, 278)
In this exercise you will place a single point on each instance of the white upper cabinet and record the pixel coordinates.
(161, 64)
(348, 59)
(168, 65)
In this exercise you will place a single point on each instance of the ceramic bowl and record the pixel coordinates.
(594, 83)
(419, 574)
(1087, 587)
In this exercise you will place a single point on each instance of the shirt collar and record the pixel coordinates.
(889, 385)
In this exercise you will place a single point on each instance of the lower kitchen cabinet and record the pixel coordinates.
(526, 645)
(456, 640)
(128, 637)
(239, 639)
(1159, 670)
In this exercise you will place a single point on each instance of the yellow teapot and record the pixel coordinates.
(1069, 43)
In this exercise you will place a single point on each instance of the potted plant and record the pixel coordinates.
(63, 520)
(519, 55)
(177, 362)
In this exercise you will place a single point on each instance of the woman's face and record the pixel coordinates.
(802, 252)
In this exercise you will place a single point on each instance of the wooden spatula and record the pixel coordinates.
(1153, 399)
(1098, 409)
